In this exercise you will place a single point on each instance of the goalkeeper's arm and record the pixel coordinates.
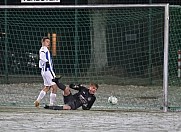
(89, 105)
(76, 87)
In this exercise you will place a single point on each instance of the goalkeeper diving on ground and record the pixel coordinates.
(85, 97)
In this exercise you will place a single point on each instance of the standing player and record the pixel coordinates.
(45, 63)
(84, 98)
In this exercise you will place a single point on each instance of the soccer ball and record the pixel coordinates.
(112, 100)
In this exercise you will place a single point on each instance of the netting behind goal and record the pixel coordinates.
(121, 46)
(106, 45)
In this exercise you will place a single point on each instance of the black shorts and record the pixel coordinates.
(71, 101)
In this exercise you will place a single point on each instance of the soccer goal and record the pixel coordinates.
(113, 45)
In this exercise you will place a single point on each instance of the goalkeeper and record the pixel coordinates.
(83, 98)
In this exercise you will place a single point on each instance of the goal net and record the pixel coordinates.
(113, 45)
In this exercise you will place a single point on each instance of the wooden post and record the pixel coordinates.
(54, 41)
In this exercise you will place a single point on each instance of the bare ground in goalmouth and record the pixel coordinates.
(138, 109)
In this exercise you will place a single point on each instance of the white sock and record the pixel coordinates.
(41, 95)
(52, 98)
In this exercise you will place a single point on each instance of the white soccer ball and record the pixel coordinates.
(113, 100)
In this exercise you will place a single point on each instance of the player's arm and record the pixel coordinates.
(43, 57)
(89, 105)
(43, 60)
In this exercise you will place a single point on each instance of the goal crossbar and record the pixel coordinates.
(80, 6)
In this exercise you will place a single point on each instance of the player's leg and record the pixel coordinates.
(53, 85)
(43, 91)
(41, 95)
(53, 94)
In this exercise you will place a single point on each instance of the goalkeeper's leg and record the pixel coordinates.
(64, 107)
(53, 107)
(59, 84)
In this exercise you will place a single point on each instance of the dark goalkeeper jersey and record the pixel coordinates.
(83, 97)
